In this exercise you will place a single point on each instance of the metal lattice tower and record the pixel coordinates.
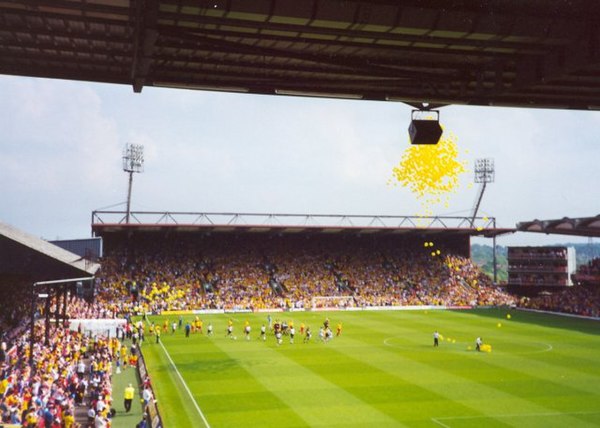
(133, 161)
(484, 174)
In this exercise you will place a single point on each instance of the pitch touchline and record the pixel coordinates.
(449, 418)
(185, 386)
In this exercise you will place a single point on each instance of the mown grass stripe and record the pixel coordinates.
(316, 400)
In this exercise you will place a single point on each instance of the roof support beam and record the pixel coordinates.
(145, 36)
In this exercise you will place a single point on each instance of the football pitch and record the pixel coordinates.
(382, 371)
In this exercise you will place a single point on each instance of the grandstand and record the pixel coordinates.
(39, 280)
(258, 265)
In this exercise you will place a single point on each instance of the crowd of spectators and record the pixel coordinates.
(43, 387)
(590, 268)
(239, 272)
(578, 300)
(13, 317)
(589, 273)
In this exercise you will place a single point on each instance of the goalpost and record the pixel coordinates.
(332, 302)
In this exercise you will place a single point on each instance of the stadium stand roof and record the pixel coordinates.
(534, 53)
(155, 221)
(584, 226)
(23, 255)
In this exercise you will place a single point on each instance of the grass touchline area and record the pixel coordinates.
(187, 389)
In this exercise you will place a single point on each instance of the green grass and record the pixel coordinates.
(120, 381)
(543, 371)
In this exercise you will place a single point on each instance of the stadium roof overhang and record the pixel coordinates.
(584, 226)
(26, 257)
(534, 53)
(108, 222)
(102, 230)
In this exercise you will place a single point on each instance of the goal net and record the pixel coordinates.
(332, 302)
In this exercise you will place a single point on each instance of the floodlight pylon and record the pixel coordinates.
(484, 174)
(133, 161)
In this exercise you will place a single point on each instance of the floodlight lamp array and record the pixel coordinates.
(484, 170)
(133, 158)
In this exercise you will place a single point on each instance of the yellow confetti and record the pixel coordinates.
(431, 170)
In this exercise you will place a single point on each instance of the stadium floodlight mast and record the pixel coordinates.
(133, 161)
(484, 174)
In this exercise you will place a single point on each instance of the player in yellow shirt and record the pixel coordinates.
(339, 329)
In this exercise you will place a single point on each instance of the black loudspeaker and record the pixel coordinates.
(425, 131)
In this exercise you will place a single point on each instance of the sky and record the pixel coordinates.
(61, 145)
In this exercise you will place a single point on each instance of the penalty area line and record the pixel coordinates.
(185, 386)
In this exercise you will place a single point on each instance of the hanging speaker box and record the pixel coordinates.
(425, 131)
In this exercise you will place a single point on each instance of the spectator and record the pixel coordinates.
(128, 397)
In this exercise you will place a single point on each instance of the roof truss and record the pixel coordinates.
(538, 53)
